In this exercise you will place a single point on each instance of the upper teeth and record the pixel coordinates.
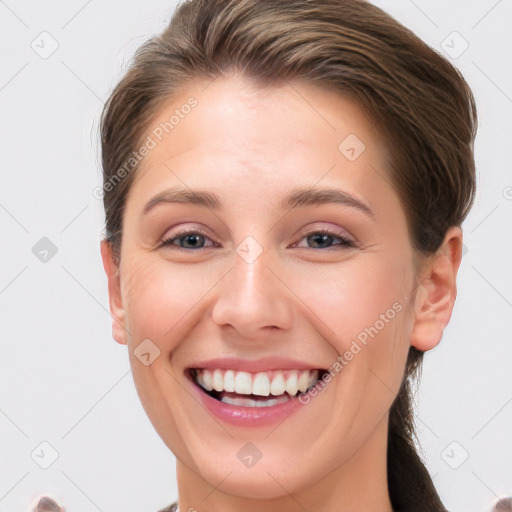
(274, 382)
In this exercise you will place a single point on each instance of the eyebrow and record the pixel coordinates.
(180, 195)
(297, 199)
(308, 197)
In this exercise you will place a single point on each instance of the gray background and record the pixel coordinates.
(64, 382)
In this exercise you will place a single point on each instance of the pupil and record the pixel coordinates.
(192, 241)
(320, 239)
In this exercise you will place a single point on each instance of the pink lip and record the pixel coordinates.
(247, 416)
(258, 365)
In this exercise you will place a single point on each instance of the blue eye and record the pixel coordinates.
(322, 239)
(189, 240)
(325, 239)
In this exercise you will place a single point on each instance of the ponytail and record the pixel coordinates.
(410, 485)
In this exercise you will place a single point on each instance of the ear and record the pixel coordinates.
(114, 292)
(435, 295)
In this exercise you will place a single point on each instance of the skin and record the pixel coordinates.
(252, 146)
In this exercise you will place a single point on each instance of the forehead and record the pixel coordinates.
(239, 136)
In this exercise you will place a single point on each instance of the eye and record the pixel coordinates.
(197, 239)
(189, 240)
(324, 239)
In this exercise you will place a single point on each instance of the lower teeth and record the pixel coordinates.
(249, 402)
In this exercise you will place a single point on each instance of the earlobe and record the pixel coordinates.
(436, 293)
(114, 292)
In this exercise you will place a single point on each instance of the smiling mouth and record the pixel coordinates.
(262, 389)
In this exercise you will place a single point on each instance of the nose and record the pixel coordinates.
(253, 299)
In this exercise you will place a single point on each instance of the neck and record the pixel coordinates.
(360, 483)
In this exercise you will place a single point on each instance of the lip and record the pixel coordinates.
(249, 416)
(254, 366)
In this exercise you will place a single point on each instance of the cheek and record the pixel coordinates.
(351, 297)
(159, 298)
(361, 310)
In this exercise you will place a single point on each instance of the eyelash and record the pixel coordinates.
(169, 241)
(343, 241)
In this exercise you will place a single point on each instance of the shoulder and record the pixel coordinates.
(170, 508)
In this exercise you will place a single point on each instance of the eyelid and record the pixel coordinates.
(345, 239)
(167, 239)
(343, 235)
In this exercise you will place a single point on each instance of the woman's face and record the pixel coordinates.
(262, 240)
